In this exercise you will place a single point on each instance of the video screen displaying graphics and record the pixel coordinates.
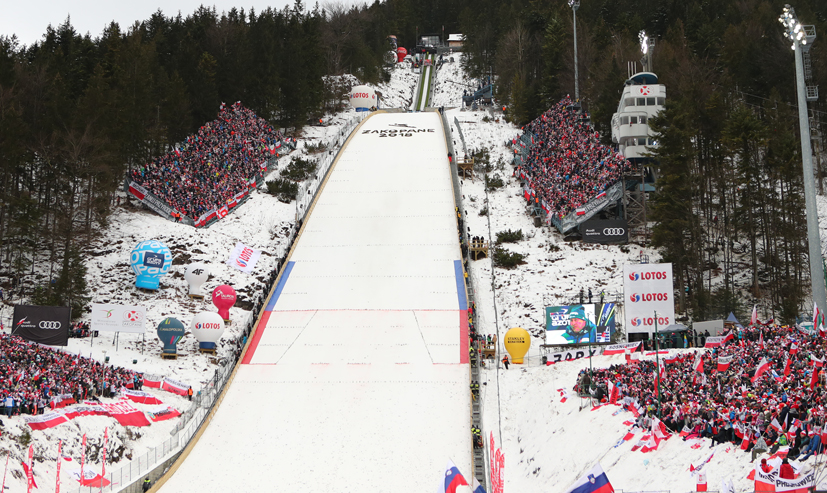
(580, 324)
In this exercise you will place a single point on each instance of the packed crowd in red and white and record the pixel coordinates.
(214, 165)
(763, 387)
(33, 377)
(567, 166)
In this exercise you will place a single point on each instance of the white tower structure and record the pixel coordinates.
(642, 98)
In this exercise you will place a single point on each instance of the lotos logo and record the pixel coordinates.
(207, 326)
(648, 276)
(636, 322)
(634, 298)
(245, 256)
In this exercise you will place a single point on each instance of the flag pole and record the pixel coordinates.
(657, 359)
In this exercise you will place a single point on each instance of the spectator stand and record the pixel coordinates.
(560, 162)
(213, 171)
(478, 246)
(466, 166)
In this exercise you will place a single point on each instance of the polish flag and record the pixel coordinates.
(817, 363)
(761, 340)
(141, 397)
(775, 425)
(44, 421)
(701, 482)
(614, 393)
(89, 477)
(793, 348)
(152, 381)
(723, 363)
(162, 413)
(175, 386)
(818, 318)
(762, 367)
(787, 369)
(580, 211)
(126, 414)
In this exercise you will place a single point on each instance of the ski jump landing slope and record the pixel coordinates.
(356, 379)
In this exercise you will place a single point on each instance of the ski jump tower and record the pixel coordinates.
(642, 98)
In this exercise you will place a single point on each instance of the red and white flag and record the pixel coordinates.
(761, 339)
(175, 386)
(787, 366)
(818, 318)
(27, 467)
(753, 319)
(103, 461)
(44, 421)
(152, 381)
(614, 393)
(724, 362)
(817, 363)
(162, 413)
(762, 367)
(141, 397)
(793, 348)
(126, 414)
(775, 425)
(59, 462)
(701, 482)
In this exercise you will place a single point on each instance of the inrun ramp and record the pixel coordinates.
(356, 379)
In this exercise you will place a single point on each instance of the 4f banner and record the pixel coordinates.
(243, 258)
(47, 325)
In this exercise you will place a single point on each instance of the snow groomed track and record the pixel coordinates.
(356, 378)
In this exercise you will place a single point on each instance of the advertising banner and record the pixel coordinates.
(571, 355)
(648, 290)
(118, 318)
(48, 325)
(243, 258)
(621, 348)
(605, 232)
(580, 324)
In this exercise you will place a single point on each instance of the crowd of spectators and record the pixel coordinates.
(567, 166)
(80, 329)
(32, 374)
(212, 166)
(780, 408)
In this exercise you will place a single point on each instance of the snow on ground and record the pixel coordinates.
(545, 441)
(262, 222)
(356, 373)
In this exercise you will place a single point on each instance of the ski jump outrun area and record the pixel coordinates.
(357, 377)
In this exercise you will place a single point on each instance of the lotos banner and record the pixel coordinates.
(48, 325)
(648, 291)
(118, 318)
(243, 258)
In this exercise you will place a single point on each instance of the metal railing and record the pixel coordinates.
(308, 190)
(189, 423)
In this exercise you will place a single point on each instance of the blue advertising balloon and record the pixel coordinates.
(150, 260)
(170, 331)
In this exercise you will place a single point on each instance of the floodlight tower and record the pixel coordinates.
(575, 4)
(802, 38)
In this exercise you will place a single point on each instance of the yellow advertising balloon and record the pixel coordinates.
(517, 342)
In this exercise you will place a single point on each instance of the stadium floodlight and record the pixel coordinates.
(802, 38)
(644, 42)
(575, 4)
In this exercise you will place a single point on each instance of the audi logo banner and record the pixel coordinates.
(47, 325)
(605, 231)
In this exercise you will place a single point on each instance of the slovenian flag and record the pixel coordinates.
(452, 479)
(594, 481)
(476, 487)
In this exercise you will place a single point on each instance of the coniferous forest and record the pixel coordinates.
(76, 112)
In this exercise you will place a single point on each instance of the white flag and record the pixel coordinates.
(243, 258)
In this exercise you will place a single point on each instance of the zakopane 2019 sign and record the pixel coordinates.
(47, 325)
(648, 290)
(118, 318)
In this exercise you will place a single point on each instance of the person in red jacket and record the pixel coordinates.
(786, 471)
